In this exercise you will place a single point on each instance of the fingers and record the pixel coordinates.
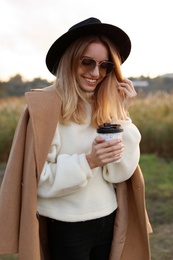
(104, 144)
(104, 152)
(98, 140)
(127, 91)
(127, 87)
(108, 151)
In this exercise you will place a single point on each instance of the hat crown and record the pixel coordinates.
(88, 21)
(90, 26)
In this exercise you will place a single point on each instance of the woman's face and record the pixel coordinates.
(89, 75)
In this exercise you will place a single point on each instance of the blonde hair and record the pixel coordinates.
(106, 100)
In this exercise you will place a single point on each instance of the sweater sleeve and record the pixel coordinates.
(123, 170)
(63, 174)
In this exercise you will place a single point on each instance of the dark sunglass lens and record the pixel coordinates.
(106, 66)
(88, 62)
(110, 67)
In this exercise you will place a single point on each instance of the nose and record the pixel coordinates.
(95, 71)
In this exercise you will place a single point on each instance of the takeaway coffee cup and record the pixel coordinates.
(109, 132)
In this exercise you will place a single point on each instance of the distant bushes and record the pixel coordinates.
(17, 86)
(153, 115)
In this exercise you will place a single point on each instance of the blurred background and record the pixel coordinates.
(29, 27)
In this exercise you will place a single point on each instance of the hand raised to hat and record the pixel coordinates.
(127, 91)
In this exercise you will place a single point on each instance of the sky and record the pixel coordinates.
(29, 27)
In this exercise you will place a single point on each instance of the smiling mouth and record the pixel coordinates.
(91, 80)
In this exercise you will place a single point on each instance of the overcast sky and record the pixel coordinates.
(29, 27)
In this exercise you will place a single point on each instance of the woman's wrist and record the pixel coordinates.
(90, 161)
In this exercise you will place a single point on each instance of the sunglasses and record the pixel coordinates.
(105, 67)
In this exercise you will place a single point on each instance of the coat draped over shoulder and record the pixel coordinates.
(22, 230)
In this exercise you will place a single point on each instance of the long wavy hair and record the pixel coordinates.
(106, 100)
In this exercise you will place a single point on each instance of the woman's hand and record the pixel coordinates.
(104, 152)
(127, 92)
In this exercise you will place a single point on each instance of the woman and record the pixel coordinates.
(80, 193)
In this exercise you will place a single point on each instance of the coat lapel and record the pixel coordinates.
(44, 107)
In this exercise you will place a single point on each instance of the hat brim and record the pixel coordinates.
(116, 35)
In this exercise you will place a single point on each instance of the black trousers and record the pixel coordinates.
(87, 240)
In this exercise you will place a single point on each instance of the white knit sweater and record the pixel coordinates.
(68, 189)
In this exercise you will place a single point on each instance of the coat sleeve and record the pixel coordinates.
(10, 192)
(131, 225)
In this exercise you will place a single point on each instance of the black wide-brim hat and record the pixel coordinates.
(89, 26)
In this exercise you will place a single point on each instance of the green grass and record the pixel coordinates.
(8, 257)
(158, 175)
(161, 242)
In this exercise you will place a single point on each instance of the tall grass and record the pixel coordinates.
(153, 115)
(10, 110)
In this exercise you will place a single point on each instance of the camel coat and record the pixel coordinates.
(22, 230)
